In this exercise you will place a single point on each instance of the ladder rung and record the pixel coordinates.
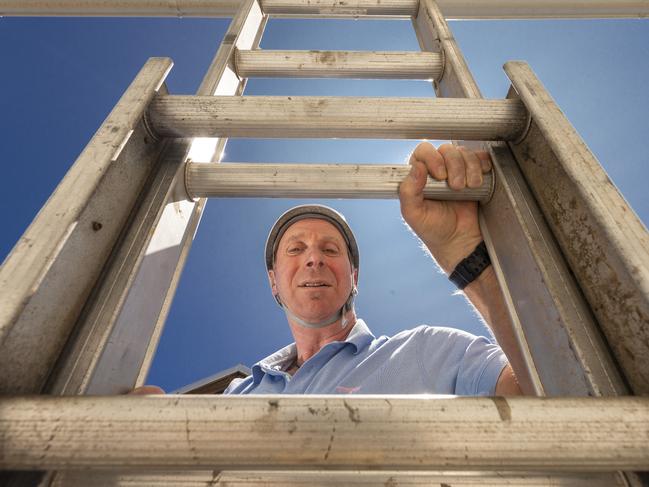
(339, 64)
(337, 117)
(391, 432)
(364, 181)
(328, 478)
(337, 8)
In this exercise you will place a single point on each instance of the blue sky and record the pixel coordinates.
(60, 78)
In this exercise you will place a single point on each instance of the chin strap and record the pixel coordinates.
(349, 304)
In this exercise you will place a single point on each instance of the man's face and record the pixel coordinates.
(312, 272)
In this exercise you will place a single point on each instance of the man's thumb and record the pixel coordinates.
(413, 184)
(411, 189)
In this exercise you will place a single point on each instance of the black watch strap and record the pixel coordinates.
(470, 267)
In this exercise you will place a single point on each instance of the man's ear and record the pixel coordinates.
(356, 277)
(272, 282)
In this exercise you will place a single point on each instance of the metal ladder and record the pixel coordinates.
(86, 290)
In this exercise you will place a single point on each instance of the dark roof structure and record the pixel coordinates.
(217, 383)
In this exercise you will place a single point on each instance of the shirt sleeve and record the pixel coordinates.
(457, 362)
(480, 368)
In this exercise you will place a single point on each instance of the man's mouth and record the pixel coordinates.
(314, 284)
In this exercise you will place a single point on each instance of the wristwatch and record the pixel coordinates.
(470, 267)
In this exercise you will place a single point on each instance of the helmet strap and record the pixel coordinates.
(338, 315)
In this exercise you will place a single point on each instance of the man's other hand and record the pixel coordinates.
(147, 390)
(449, 229)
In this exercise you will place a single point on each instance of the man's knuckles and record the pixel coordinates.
(459, 166)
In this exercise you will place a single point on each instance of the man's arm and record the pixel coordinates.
(507, 384)
(450, 230)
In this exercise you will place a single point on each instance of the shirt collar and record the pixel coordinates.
(360, 338)
(275, 362)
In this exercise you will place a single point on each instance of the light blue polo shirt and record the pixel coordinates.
(425, 360)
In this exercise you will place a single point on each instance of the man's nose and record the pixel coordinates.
(315, 258)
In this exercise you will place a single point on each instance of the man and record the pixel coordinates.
(312, 262)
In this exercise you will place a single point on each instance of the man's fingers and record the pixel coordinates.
(426, 153)
(485, 160)
(455, 166)
(143, 390)
(460, 166)
(473, 168)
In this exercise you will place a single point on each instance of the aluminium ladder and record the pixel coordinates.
(545, 240)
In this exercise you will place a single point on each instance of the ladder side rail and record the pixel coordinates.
(454, 9)
(559, 339)
(77, 364)
(80, 360)
(389, 432)
(604, 241)
(48, 275)
(117, 338)
(559, 335)
(327, 478)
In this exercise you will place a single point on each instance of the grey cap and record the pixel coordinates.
(303, 212)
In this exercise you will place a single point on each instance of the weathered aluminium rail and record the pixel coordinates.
(324, 432)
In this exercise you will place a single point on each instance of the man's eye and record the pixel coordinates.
(292, 250)
(331, 251)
